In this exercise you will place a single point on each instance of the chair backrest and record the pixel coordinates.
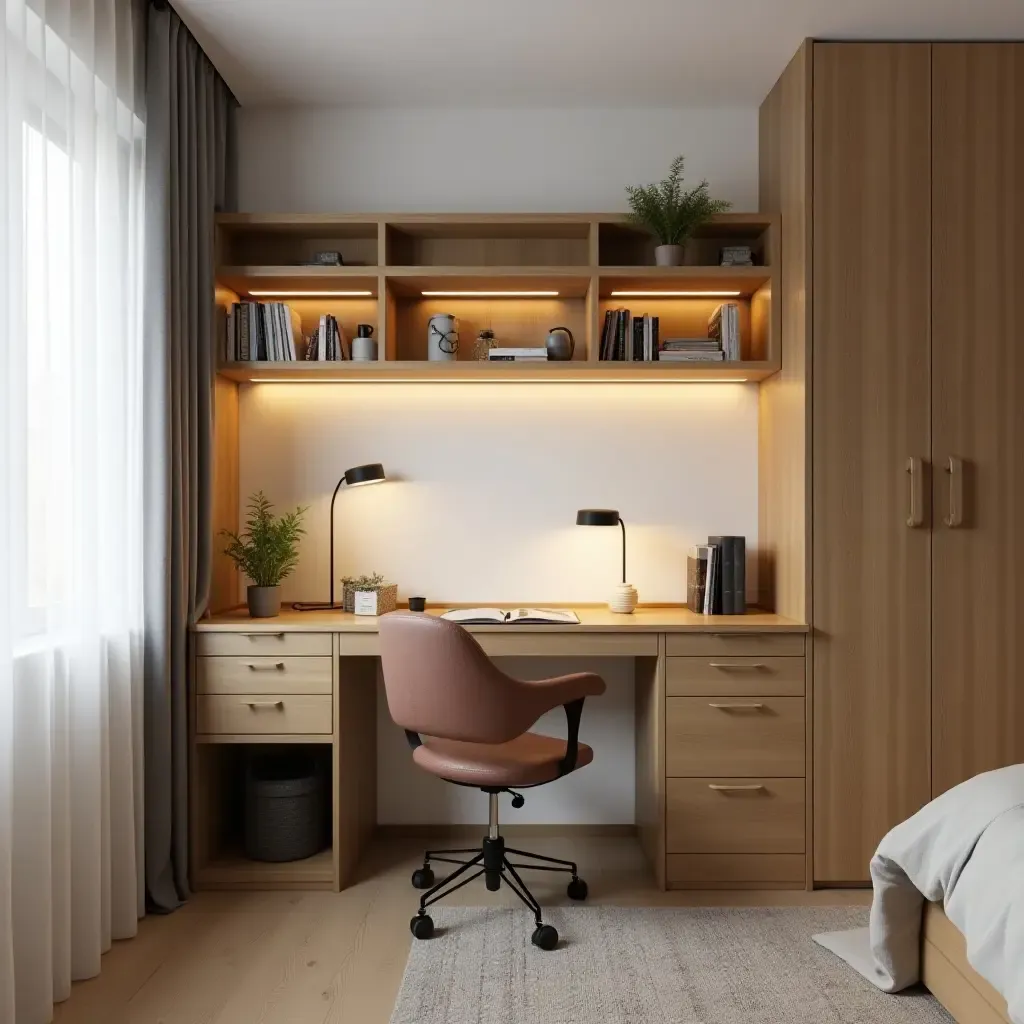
(440, 683)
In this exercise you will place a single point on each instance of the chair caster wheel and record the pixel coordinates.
(422, 878)
(545, 937)
(577, 889)
(422, 927)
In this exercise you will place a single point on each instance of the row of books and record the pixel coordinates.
(329, 342)
(716, 577)
(259, 331)
(629, 338)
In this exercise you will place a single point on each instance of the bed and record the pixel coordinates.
(968, 997)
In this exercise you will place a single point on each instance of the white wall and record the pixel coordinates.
(490, 477)
(316, 160)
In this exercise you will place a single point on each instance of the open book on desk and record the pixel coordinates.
(521, 616)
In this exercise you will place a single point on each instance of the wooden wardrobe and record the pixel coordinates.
(901, 167)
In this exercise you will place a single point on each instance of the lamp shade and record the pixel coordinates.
(371, 473)
(597, 517)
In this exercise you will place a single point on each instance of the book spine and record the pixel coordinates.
(244, 348)
(620, 336)
(739, 590)
(724, 591)
(655, 338)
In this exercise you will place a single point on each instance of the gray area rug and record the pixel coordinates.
(625, 965)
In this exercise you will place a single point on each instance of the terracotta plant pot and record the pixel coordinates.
(264, 602)
(669, 255)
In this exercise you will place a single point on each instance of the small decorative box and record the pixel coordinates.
(377, 601)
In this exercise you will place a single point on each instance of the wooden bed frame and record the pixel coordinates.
(951, 979)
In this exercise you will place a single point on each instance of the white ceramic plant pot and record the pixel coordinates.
(623, 599)
(668, 255)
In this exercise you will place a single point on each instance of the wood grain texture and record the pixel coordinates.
(737, 736)
(716, 644)
(978, 380)
(951, 979)
(735, 677)
(224, 579)
(871, 614)
(649, 747)
(735, 870)
(263, 675)
(744, 819)
(264, 714)
(261, 639)
(784, 408)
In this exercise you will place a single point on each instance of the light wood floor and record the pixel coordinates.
(313, 958)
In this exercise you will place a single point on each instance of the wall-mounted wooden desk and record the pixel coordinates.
(720, 734)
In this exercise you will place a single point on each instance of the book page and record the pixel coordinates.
(553, 615)
(466, 615)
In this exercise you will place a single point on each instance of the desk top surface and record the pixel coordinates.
(675, 619)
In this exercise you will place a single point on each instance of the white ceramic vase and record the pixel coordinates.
(623, 599)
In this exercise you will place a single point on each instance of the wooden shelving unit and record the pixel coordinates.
(585, 258)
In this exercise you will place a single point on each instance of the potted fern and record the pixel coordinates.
(267, 551)
(671, 214)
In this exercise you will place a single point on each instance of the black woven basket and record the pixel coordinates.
(284, 807)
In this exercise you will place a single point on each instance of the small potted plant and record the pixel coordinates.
(369, 595)
(670, 214)
(267, 551)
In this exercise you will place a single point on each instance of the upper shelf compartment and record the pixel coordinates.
(470, 240)
(273, 240)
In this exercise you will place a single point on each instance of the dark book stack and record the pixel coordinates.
(328, 343)
(628, 338)
(261, 331)
(716, 577)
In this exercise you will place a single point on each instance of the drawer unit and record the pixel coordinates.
(259, 674)
(731, 815)
(741, 870)
(767, 675)
(264, 644)
(736, 736)
(737, 645)
(264, 714)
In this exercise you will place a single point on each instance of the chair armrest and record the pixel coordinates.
(546, 694)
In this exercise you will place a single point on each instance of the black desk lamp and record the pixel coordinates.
(624, 597)
(371, 473)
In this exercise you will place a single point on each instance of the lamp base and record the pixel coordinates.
(624, 599)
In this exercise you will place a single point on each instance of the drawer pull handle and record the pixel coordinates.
(278, 666)
(737, 707)
(261, 636)
(254, 704)
(718, 788)
(742, 666)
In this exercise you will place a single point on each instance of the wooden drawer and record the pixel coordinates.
(768, 676)
(744, 870)
(747, 816)
(734, 736)
(736, 645)
(263, 675)
(264, 714)
(245, 644)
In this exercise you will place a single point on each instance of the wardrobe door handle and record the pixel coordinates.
(915, 470)
(254, 704)
(955, 469)
(718, 788)
(737, 707)
(277, 666)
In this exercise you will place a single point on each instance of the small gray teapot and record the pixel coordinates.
(560, 343)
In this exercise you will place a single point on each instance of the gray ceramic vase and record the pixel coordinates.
(264, 602)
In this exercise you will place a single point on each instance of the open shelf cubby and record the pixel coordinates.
(221, 862)
(480, 265)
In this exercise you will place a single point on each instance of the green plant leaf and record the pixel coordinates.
(668, 212)
(267, 550)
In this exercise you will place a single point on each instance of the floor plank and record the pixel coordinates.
(328, 958)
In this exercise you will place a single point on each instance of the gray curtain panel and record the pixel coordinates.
(189, 176)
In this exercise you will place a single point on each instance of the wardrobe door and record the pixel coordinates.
(871, 543)
(978, 396)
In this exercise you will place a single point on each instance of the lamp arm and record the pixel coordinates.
(623, 525)
(333, 497)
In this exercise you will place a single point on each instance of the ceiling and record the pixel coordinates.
(548, 53)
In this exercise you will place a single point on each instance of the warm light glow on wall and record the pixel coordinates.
(290, 294)
(491, 380)
(661, 293)
(489, 293)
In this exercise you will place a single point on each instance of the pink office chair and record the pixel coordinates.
(468, 724)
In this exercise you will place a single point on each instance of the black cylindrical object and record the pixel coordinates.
(284, 807)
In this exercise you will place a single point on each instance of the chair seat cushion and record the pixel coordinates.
(528, 760)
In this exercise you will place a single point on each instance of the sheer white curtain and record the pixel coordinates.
(70, 494)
